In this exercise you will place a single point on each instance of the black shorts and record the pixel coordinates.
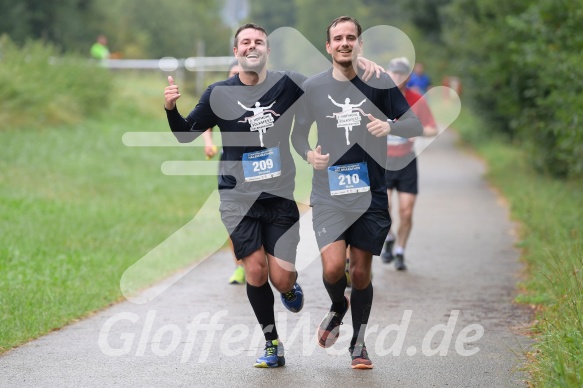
(366, 230)
(403, 180)
(271, 223)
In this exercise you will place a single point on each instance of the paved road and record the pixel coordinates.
(448, 321)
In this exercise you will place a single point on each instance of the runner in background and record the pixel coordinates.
(401, 174)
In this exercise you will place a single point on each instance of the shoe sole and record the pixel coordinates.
(295, 310)
(362, 366)
(326, 345)
(280, 362)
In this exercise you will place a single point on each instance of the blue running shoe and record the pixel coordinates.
(293, 300)
(273, 357)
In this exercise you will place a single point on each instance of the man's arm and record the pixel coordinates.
(408, 125)
(299, 136)
(426, 117)
(198, 121)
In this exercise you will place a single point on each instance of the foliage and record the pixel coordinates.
(520, 63)
(272, 15)
(38, 90)
(135, 28)
(70, 25)
(552, 53)
(176, 31)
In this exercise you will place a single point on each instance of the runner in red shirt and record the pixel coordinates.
(401, 173)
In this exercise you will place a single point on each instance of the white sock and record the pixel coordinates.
(399, 250)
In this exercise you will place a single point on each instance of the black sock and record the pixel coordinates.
(361, 302)
(336, 292)
(261, 299)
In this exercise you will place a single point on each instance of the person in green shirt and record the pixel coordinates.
(99, 49)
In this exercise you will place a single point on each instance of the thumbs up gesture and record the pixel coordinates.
(317, 160)
(377, 127)
(171, 94)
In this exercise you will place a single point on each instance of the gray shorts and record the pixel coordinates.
(365, 230)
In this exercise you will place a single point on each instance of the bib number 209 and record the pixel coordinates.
(262, 165)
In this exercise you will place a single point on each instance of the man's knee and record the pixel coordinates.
(256, 272)
(360, 277)
(333, 273)
(283, 280)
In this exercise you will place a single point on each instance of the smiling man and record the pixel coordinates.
(253, 111)
(349, 195)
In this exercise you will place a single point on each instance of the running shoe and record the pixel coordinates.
(329, 329)
(387, 253)
(293, 300)
(400, 262)
(347, 271)
(238, 276)
(273, 356)
(359, 357)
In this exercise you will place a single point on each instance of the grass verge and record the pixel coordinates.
(550, 213)
(79, 207)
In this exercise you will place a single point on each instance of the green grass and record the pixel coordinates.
(550, 213)
(79, 208)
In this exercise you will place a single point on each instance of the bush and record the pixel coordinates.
(38, 89)
(521, 67)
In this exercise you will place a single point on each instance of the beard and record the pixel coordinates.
(254, 67)
(346, 62)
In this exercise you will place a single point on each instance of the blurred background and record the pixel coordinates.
(519, 63)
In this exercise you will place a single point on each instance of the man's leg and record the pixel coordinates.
(281, 236)
(259, 292)
(362, 291)
(406, 204)
(361, 301)
(333, 266)
(261, 299)
(387, 253)
(334, 278)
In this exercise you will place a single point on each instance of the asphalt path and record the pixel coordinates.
(447, 321)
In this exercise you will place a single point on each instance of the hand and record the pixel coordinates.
(171, 94)
(377, 127)
(369, 68)
(430, 131)
(317, 160)
(210, 150)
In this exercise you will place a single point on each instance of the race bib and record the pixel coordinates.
(260, 165)
(348, 179)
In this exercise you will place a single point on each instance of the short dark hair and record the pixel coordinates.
(341, 19)
(246, 26)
